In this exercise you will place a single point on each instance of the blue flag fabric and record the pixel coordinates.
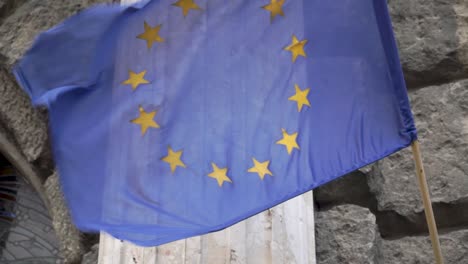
(175, 118)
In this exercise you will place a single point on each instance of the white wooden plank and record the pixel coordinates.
(150, 255)
(258, 239)
(310, 227)
(293, 231)
(215, 247)
(283, 234)
(237, 243)
(131, 253)
(193, 250)
(172, 253)
(281, 252)
(105, 248)
(109, 249)
(295, 225)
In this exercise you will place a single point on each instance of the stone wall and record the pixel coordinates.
(373, 215)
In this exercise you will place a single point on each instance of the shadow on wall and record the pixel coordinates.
(26, 233)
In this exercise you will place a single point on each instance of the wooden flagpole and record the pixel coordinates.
(427, 202)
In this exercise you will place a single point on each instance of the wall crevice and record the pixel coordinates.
(353, 189)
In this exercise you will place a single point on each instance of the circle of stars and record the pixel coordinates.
(146, 119)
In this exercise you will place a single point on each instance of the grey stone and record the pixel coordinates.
(441, 116)
(69, 237)
(346, 234)
(27, 125)
(20, 28)
(432, 38)
(8, 6)
(92, 256)
(418, 250)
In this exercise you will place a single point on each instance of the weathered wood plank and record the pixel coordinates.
(259, 237)
(238, 245)
(172, 253)
(193, 250)
(283, 234)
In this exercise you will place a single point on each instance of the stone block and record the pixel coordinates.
(432, 36)
(34, 16)
(346, 234)
(27, 125)
(441, 117)
(418, 249)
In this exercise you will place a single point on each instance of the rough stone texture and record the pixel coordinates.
(28, 125)
(346, 234)
(34, 16)
(418, 250)
(441, 116)
(92, 256)
(71, 245)
(432, 38)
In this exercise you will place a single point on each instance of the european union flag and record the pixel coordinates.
(175, 118)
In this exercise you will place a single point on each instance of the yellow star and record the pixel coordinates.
(173, 158)
(151, 35)
(136, 79)
(296, 48)
(289, 141)
(261, 168)
(219, 174)
(275, 8)
(300, 97)
(145, 120)
(186, 5)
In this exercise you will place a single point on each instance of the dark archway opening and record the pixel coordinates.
(26, 232)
